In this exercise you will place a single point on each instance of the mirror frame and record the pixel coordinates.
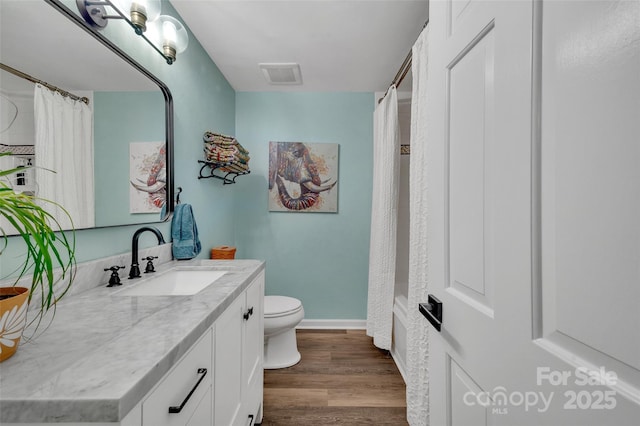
(168, 102)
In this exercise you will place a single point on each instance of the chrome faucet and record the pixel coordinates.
(135, 268)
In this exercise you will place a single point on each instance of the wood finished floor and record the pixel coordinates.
(342, 379)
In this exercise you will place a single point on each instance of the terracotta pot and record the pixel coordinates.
(13, 318)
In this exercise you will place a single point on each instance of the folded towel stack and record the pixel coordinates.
(226, 153)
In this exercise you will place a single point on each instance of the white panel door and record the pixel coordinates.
(534, 212)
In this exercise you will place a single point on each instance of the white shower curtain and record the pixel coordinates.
(384, 217)
(418, 331)
(64, 156)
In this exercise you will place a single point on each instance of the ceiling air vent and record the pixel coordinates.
(288, 73)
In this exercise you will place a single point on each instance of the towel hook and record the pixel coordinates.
(178, 195)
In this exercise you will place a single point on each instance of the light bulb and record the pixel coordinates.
(140, 5)
(151, 8)
(169, 34)
(140, 12)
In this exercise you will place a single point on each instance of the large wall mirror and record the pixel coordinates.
(111, 158)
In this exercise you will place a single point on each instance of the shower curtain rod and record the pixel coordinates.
(405, 149)
(402, 72)
(44, 83)
(404, 68)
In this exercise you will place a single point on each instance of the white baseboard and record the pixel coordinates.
(332, 324)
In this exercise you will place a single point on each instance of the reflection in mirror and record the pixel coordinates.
(111, 169)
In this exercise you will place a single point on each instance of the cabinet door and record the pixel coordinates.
(228, 365)
(253, 350)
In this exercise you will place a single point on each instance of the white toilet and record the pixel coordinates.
(281, 316)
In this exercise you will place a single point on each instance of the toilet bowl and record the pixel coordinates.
(281, 316)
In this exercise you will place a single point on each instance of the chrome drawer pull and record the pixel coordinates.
(176, 409)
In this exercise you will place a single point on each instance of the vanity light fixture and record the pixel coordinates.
(136, 12)
(169, 33)
(164, 33)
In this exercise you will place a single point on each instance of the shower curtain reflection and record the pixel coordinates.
(64, 156)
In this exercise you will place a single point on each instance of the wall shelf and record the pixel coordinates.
(225, 174)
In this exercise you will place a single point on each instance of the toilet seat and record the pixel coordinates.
(278, 306)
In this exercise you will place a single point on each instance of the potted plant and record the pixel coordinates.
(47, 248)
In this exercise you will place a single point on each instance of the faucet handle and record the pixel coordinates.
(114, 279)
(149, 267)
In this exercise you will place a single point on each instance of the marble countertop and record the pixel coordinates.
(104, 352)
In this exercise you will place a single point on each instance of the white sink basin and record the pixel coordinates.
(174, 282)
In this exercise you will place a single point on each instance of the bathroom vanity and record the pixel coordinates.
(112, 358)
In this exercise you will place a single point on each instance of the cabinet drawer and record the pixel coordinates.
(187, 379)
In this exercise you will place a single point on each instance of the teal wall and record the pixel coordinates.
(320, 258)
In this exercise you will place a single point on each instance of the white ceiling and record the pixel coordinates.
(341, 45)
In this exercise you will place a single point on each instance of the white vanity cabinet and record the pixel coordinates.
(218, 381)
(238, 355)
(230, 393)
(183, 397)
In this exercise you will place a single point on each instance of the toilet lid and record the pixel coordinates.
(278, 305)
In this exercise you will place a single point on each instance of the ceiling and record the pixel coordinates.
(340, 45)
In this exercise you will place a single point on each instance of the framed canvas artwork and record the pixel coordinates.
(147, 175)
(303, 177)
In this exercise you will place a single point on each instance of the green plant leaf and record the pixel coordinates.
(50, 251)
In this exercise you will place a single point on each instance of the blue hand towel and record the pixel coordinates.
(184, 233)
